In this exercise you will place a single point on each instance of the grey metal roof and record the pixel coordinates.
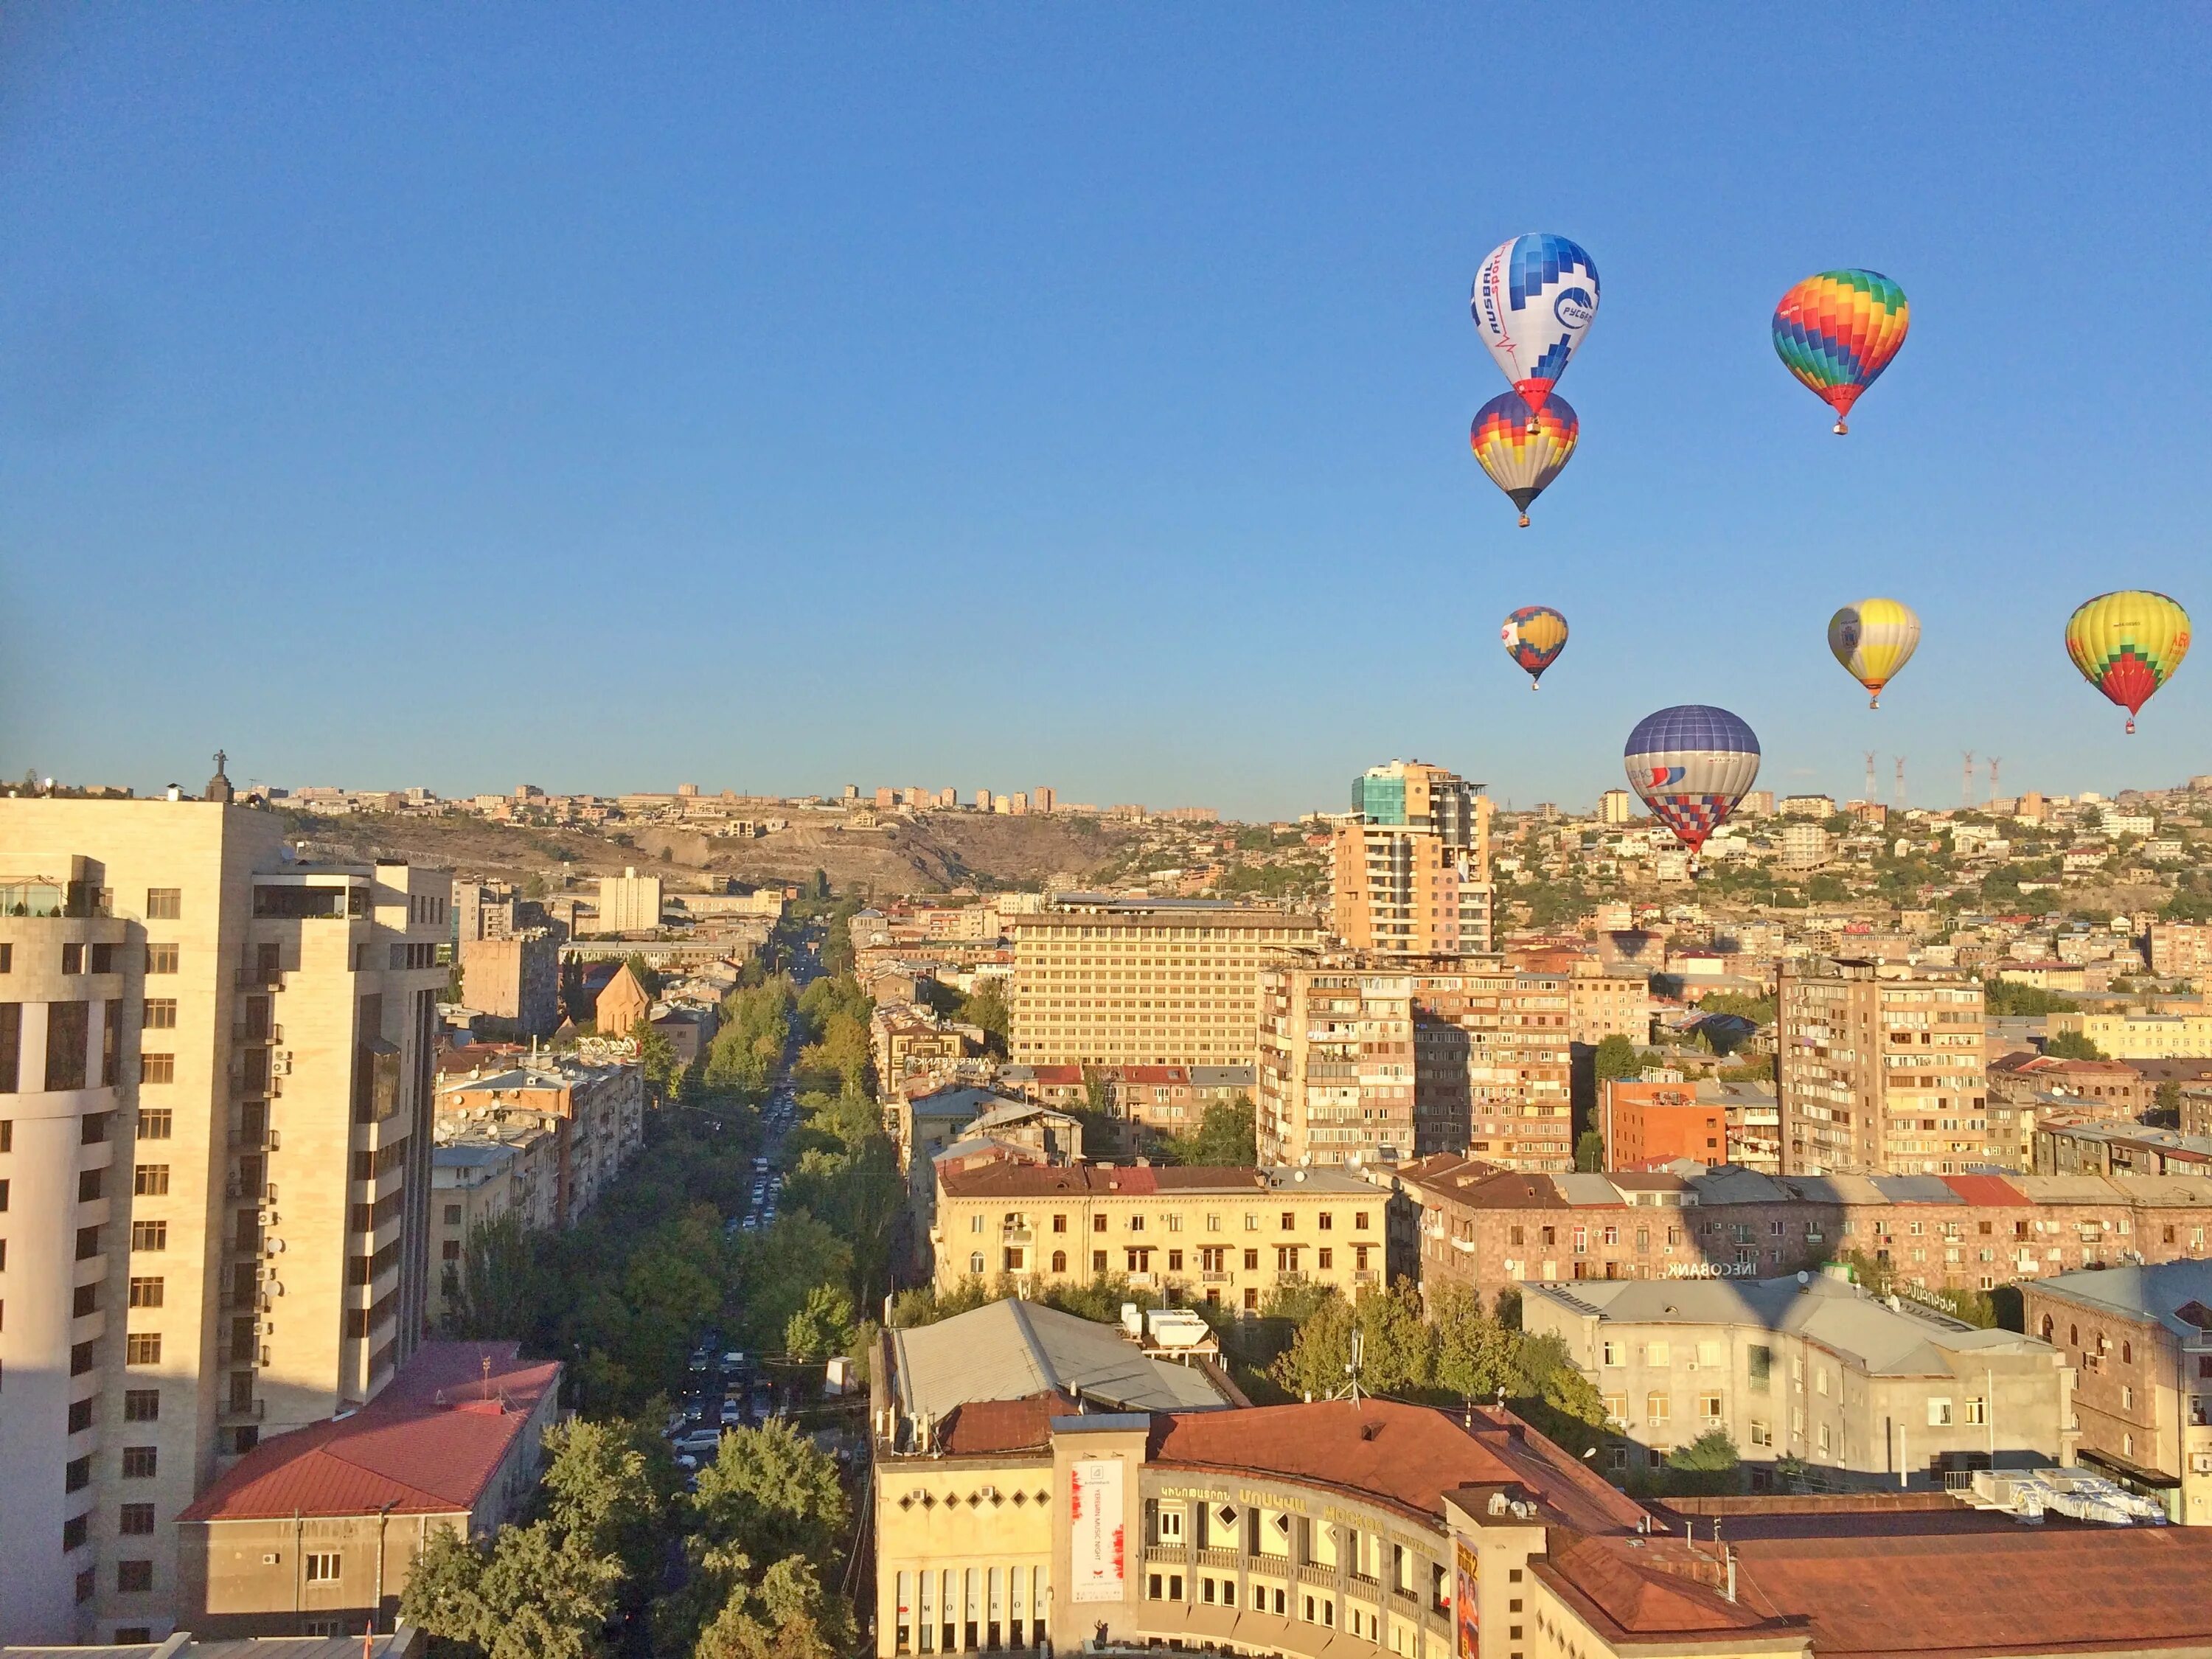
(1014, 1350)
(1222, 1077)
(955, 1102)
(2148, 1293)
(1906, 1341)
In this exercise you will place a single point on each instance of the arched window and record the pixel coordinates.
(2073, 1336)
(975, 1263)
(2047, 1328)
(1060, 1262)
(2127, 1354)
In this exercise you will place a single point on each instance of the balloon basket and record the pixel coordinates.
(2131, 728)
(1524, 520)
(1842, 431)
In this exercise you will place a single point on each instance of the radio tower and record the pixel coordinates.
(1995, 761)
(1967, 779)
(1900, 759)
(1870, 786)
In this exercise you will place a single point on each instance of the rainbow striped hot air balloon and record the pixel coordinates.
(1873, 639)
(2128, 644)
(1690, 765)
(1534, 635)
(1535, 298)
(1523, 456)
(1836, 332)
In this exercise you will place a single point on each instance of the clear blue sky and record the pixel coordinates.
(777, 397)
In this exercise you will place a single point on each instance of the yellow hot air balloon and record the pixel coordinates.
(1873, 639)
(2128, 644)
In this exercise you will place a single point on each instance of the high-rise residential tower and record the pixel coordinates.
(1879, 1069)
(216, 1111)
(1411, 877)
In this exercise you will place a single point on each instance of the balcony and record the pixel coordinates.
(254, 1140)
(241, 1032)
(1231, 1559)
(1214, 1278)
(250, 1410)
(1017, 1235)
(1365, 1276)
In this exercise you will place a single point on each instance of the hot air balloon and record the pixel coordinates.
(1690, 765)
(1534, 635)
(1535, 298)
(1836, 332)
(2128, 644)
(1873, 639)
(1523, 456)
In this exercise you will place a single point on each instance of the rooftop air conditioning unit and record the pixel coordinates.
(279, 1063)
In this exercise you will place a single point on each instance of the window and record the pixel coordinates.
(150, 1179)
(1762, 1434)
(1324, 1221)
(1657, 1353)
(84, 1300)
(322, 1566)
(157, 1068)
(142, 1348)
(975, 1263)
(87, 1243)
(1060, 1262)
(74, 1532)
(1251, 1262)
(1826, 1440)
(1098, 1223)
(164, 903)
(69, 1028)
(91, 1184)
(142, 1405)
(1939, 1413)
(133, 1577)
(145, 1292)
(1709, 1407)
(140, 1462)
(80, 1416)
(77, 1474)
(155, 1123)
(161, 1014)
(453, 1215)
(1610, 1352)
(160, 958)
(1359, 1221)
(1978, 1410)
(1098, 1262)
(136, 1520)
(150, 1235)
(1327, 1257)
(1290, 1221)
(1656, 1407)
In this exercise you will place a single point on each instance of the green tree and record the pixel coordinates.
(1475, 1353)
(786, 1616)
(1708, 1465)
(772, 1493)
(821, 1326)
(2167, 1103)
(985, 1006)
(2072, 1045)
(1226, 1137)
(1589, 1151)
(1616, 1057)
(656, 1058)
(491, 1290)
(526, 1594)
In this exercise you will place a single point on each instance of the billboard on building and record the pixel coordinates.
(1096, 1548)
(1466, 1580)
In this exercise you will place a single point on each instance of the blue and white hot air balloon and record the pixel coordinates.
(1535, 298)
(1691, 765)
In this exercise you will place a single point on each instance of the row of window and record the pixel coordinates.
(1324, 1221)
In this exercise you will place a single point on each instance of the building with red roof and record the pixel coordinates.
(316, 1530)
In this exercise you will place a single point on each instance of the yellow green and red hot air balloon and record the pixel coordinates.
(1522, 452)
(1873, 639)
(1533, 636)
(2128, 644)
(1836, 332)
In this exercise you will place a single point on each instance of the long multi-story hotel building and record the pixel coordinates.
(215, 1147)
(1881, 1071)
(1411, 877)
(1379, 1062)
(1104, 981)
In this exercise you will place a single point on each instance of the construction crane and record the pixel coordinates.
(1900, 781)
(1869, 776)
(1967, 779)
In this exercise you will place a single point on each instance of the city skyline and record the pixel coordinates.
(499, 376)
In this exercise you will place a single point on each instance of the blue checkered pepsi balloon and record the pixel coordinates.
(1690, 765)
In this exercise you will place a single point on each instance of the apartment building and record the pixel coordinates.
(1381, 1062)
(1469, 1223)
(594, 1108)
(629, 903)
(1814, 1369)
(1410, 874)
(1606, 1002)
(1103, 982)
(2180, 950)
(1229, 1237)
(219, 1135)
(514, 979)
(481, 1173)
(2140, 1339)
(2134, 1035)
(1881, 1070)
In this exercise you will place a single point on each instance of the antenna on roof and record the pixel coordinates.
(1351, 1389)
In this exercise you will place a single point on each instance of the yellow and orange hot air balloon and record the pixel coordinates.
(1873, 639)
(1520, 452)
(2128, 644)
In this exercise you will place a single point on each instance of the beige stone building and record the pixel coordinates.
(1879, 1068)
(481, 1172)
(1227, 1236)
(1810, 1367)
(2132, 1035)
(629, 903)
(1605, 1002)
(1103, 982)
(217, 1171)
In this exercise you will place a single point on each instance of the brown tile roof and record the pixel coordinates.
(1098, 1181)
(981, 1427)
(1917, 1587)
(1471, 1180)
(428, 1445)
(1409, 1456)
(1645, 1586)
